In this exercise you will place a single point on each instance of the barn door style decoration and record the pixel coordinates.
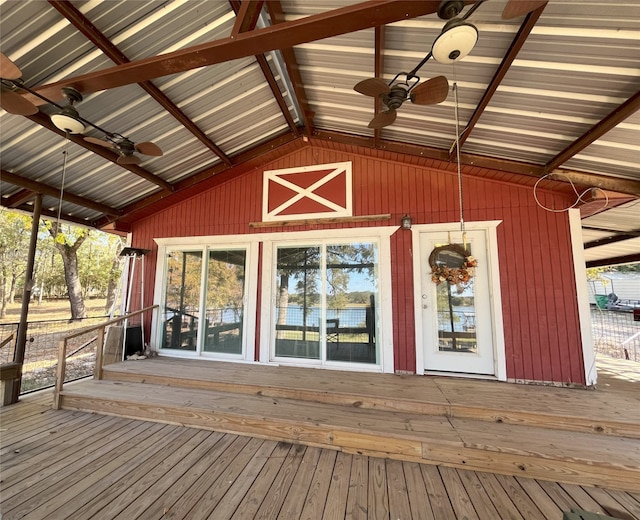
(308, 192)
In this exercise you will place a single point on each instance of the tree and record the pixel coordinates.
(15, 230)
(67, 242)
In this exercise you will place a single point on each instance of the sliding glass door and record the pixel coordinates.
(204, 301)
(325, 303)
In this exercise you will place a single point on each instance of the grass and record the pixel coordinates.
(52, 310)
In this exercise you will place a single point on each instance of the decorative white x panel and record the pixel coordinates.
(321, 191)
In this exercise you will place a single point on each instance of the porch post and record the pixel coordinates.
(21, 340)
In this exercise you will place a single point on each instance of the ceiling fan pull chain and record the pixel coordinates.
(65, 153)
(455, 92)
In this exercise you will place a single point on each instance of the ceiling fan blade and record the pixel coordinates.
(515, 8)
(148, 148)
(8, 69)
(101, 142)
(372, 87)
(383, 119)
(16, 104)
(430, 92)
(128, 159)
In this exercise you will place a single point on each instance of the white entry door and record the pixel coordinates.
(456, 321)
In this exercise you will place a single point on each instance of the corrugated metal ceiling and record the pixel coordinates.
(579, 64)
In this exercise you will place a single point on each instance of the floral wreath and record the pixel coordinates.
(454, 275)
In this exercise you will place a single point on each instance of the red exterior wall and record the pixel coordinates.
(541, 325)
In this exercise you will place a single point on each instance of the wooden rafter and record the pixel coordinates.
(247, 14)
(82, 24)
(629, 186)
(503, 68)
(288, 55)
(618, 115)
(51, 191)
(241, 9)
(344, 20)
(17, 199)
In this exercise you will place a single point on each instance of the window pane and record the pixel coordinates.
(457, 317)
(225, 302)
(352, 291)
(182, 300)
(298, 302)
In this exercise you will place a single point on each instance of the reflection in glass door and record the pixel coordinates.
(456, 317)
(212, 324)
(326, 303)
(224, 309)
(182, 300)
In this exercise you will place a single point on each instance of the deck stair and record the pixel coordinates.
(558, 434)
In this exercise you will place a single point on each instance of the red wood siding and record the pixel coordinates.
(541, 324)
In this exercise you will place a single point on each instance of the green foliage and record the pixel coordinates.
(95, 254)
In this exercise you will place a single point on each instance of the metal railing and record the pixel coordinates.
(108, 349)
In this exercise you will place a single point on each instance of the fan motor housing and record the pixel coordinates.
(396, 96)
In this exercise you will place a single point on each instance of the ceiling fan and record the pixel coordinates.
(66, 118)
(125, 147)
(455, 41)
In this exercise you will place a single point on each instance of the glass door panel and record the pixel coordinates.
(297, 313)
(457, 317)
(225, 302)
(351, 289)
(182, 300)
(326, 303)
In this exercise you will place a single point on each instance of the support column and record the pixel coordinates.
(21, 340)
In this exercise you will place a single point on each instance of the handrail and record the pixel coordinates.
(62, 351)
(6, 341)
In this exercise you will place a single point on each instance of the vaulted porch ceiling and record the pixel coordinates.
(219, 84)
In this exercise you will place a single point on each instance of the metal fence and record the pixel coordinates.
(615, 333)
(41, 352)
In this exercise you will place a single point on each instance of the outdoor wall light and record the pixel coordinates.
(406, 222)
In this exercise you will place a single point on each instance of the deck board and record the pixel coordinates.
(605, 410)
(155, 471)
(482, 445)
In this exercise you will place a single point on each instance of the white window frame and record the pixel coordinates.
(205, 244)
(379, 235)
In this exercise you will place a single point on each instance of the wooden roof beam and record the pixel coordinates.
(51, 191)
(83, 25)
(241, 9)
(293, 70)
(363, 15)
(616, 260)
(17, 199)
(618, 115)
(247, 14)
(517, 43)
(631, 187)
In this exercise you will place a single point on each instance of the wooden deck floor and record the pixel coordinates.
(78, 465)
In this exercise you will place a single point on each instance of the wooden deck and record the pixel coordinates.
(584, 437)
(77, 465)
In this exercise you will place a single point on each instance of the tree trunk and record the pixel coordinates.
(12, 288)
(74, 289)
(69, 254)
(3, 292)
